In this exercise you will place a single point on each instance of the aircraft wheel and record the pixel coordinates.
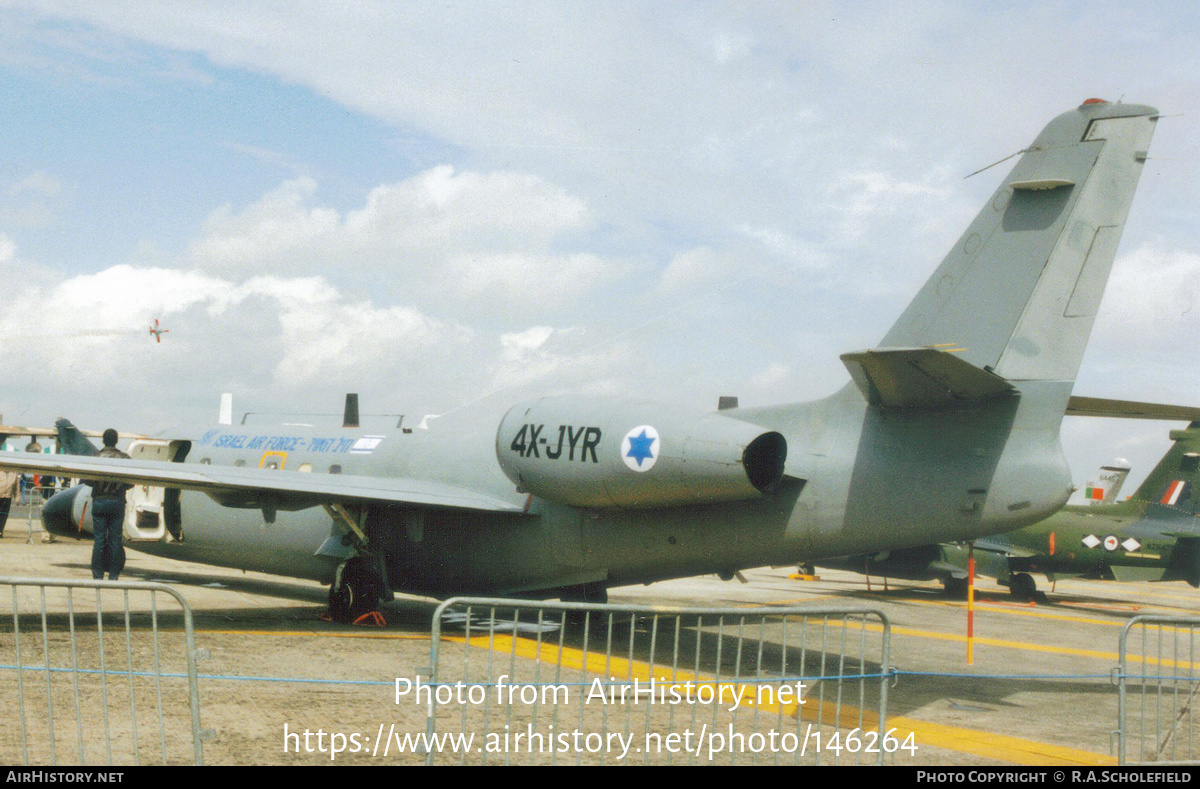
(1022, 586)
(595, 593)
(955, 587)
(355, 595)
(592, 593)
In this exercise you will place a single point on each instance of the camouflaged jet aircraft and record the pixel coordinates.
(1154, 535)
(949, 430)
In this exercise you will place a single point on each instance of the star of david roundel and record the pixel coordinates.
(640, 447)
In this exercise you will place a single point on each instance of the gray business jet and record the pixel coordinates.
(948, 430)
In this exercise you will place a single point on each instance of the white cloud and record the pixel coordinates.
(696, 269)
(1143, 345)
(33, 201)
(323, 334)
(478, 209)
(301, 329)
(459, 234)
(1153, 295)
(770, 378)
(519, 281)
(518, 346)
(863, 198)
(544, 359)
(8, 250)
(532, 355)
(264, 232)
(122, 296)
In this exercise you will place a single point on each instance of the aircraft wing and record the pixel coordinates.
(32, 432)
(1130, 409)
(247, 487)
(7, 431)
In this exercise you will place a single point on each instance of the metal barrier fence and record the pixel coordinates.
(32, 520)
(96, 672)
(1156, 719)
(546, 683)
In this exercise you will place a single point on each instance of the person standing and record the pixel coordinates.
(108, 517)
(10, 483)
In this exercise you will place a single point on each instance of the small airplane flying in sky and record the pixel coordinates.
(948, 430)
(1154, 535)
(156, 332)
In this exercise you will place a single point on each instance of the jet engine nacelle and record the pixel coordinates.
(593, 452)
(68, 513)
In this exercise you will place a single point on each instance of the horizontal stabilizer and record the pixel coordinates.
(1129, 409)
(925, 378)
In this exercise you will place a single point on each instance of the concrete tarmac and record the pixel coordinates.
(1038, 691)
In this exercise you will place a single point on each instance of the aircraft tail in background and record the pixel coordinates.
(1173, 481)
(1107, 487)
(72, 441)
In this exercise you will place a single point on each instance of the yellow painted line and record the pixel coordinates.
(1122, 608)
(623, 668)
(1042, 614)
(805, 601)
(1025, 611)
(994, 746)
(1019, 645)
(925, 734)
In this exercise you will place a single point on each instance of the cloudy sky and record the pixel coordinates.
(437, 203)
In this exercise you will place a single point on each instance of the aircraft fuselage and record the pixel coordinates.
(857, 478)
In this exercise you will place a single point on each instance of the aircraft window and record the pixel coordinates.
(335, 469)
(305, 468)
(205, 461)
(240, 462)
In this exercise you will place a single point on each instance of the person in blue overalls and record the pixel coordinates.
(108, 517)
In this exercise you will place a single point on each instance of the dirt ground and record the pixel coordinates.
(280, 685)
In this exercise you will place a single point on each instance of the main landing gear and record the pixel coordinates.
(955, 587)
(356, 590)
(1022, 586)
(594, 593)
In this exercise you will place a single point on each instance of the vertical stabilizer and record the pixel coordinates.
(1173, 481)
(1018, 293)
(71, 441)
